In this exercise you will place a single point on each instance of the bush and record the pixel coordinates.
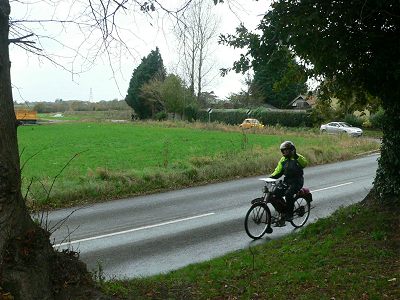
(160, 116)
(227, 116)
(287, 118)
(191, 113)
(354, 120)
(377, 119)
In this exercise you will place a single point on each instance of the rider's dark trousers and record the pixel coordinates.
(294, 187)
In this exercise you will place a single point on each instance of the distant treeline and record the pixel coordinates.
(75, 105)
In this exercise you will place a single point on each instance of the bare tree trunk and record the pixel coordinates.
(196, 35)
(199, 74)
(29, 267)
(25, 250)
(192, 65)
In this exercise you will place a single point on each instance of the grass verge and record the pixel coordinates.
(373, 133)
(353, 254)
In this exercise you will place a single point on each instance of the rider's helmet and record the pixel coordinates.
(287, 145)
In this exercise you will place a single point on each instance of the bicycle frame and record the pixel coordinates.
(260, 216)
(278, 202)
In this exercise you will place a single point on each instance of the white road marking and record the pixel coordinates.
(332, 187)
(165, 223)
(132, 230)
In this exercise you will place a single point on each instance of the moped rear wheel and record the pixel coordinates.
(257, 221)
(301, 212)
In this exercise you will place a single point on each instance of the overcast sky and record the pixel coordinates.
(36, 79)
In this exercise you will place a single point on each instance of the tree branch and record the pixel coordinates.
(20, 39)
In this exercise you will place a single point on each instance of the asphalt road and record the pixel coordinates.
(153, 234)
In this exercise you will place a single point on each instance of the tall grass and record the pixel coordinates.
(119, 160)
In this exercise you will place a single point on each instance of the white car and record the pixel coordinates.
(341, 127)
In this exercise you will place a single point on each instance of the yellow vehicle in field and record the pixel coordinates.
(26, 116)
(251, 123)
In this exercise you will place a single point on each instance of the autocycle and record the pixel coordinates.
(269, 209)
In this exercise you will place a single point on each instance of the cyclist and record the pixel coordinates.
(291, 165)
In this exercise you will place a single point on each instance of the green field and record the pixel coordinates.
(120, 147)
(116, 160)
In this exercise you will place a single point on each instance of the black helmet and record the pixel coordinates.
(287, 145)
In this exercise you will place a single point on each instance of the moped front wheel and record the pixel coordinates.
(257, 221)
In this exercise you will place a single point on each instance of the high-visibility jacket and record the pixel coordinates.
(291, 167)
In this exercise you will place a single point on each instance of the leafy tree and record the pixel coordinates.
(151, 67)
(175, 95)
(350, 99)
(278, 79)
(170, 95)
(151, 92)
(244, 99)
(207, 99)
(355, 43)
